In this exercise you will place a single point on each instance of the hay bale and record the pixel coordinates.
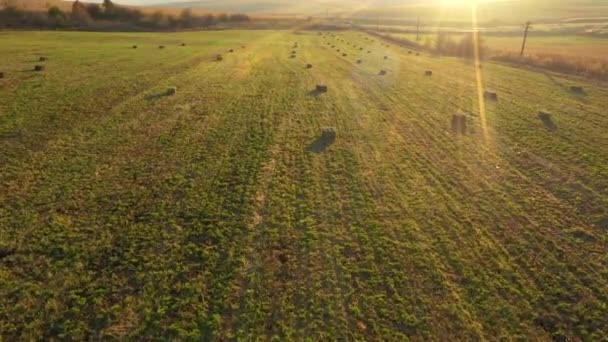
(321, 88)
(344, 55)
(385, 57)
(243, 46)
(359, 61)
(183, 44)
(382, 72)
(219, 57)
(308, 66)
(369, 51)
(547, 119)
(577, 89)
(171, 90)
(43, 59)
(39, 68)
(459, 123)
(490, 95)
(428, 73)
(328, 133)
(1, 75)
(409, 52)
(161, 46)
(294, 52)
(417, 53)
(134, 46)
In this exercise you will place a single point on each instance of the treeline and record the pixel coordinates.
(111, 16)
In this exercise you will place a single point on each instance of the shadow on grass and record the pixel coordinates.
(315, 93)
(156, 97)
(579, 93)
(321, 144)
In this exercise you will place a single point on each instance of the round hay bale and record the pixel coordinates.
(161, 46)
(459, 123)
(321, 88)
(43, 59)
(382, 72)
(547, 119)
(219, 57)
(344, 55)
(359, 61)
(369, 51)
(428, 73)
(328, 133)
(490, 95)
(308, 66)
(231, 50)
(410, 52)
(134, 46)
(39, 68)
(171, 90)
(1, 74)
(417, 53)
(385, 57)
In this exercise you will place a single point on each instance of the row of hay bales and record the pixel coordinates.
(459, 120)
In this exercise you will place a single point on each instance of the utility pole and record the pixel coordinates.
(523, 45)
(418, 29)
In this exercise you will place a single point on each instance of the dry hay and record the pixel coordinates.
(490, 95)
(39, 68)
(428, 73)
(43, 59)
(344, 55)
(547, 119)
(161, 46)
(459, 123)
(243, 46)
(410, 52)
(1, 75)
(134, 46)
(308, 66)
(231, 50)
(171, 90)
(219, 57)
(385, 57)
(382, 72)
(183, 44)
(321, 88)
(369, 51)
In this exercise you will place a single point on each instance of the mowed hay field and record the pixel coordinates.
(215, 213)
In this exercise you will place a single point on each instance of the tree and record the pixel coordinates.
(186, 18)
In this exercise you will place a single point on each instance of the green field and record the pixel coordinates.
(213, 214)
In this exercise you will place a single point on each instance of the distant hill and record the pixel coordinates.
(489, 10)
